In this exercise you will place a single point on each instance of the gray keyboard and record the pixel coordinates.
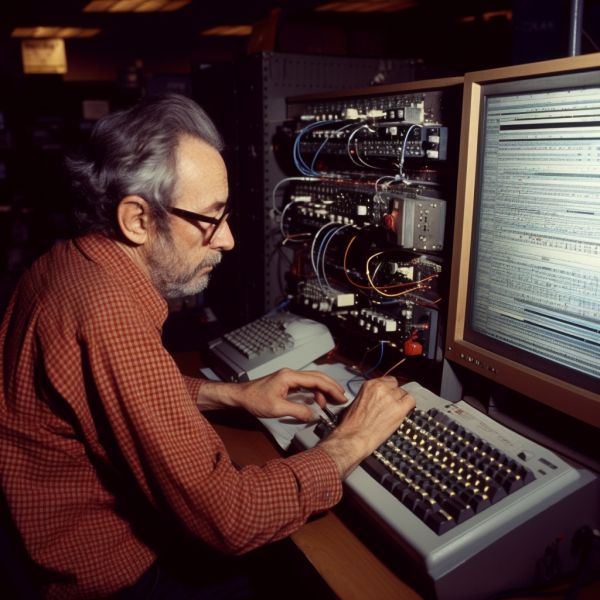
(452, 485)
(267, 344)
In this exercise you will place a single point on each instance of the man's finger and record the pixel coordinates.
(302, 412)
(316, 380)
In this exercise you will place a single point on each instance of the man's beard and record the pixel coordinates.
(169, 273)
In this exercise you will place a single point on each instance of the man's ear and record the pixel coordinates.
(133, 217)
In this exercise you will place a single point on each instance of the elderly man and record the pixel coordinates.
(104, 452)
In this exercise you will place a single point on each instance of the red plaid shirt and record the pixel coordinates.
(96, 420)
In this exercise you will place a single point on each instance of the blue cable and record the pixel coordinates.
(380, 359)
(296, 154)
(315, 266)
(282, 305)
(351, 381)
(322, 247)
(364, 376)
(324, 143)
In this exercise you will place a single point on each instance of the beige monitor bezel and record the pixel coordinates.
(561, 395)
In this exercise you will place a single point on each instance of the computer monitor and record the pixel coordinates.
(524, 304)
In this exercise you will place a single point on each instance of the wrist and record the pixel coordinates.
(347, 449)
(214, 395)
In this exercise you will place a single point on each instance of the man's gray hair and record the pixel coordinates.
(133, 152)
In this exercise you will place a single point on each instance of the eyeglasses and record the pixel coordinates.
(192, 216)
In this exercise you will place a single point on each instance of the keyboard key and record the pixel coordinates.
(375, 468)
(411, 500)
(422, 509)
(397, 487)
(495, 492)
(439, 522)
(475, 500)
(460, 511)
(512, 483)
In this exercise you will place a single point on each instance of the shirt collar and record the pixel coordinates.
(107, 253)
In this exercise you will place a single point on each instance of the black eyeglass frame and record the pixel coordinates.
(188, 214)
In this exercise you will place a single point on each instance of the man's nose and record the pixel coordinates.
(222, 238)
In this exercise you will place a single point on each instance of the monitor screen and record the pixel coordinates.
(524, 307)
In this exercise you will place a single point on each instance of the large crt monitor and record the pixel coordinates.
(524, 306)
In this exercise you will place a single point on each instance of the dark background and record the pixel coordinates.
(41, 116)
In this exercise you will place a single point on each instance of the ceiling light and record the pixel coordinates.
(135, 5)
(233, 30)
(487, 16)
(497, 14)
(54, 32)
(366, 6)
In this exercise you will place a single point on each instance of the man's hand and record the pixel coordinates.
(375, 414)
(268, 396)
